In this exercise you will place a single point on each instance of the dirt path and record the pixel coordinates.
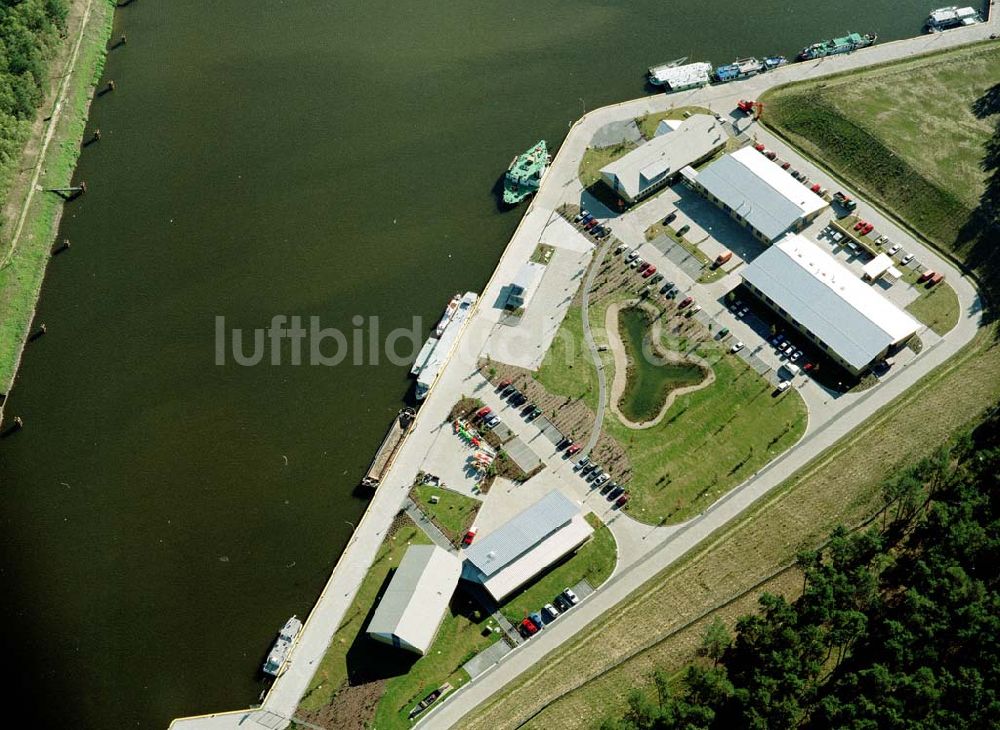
(53, 123)
(621, 363)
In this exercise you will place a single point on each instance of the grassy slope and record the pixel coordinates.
(21, 280)
(910, 137)
(594, 562)
(453, 514)
(840, 486)
(595, 158)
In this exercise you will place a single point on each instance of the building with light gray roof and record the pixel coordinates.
(758, 194)
(654, 164)
(844, 316)
(410, 611)
(525, 545)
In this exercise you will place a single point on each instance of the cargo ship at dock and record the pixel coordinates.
(836, 46)
(741, 68)
(524, 175)
(440, 343)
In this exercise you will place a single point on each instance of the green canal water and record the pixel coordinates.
(162, 515)
(649, 380)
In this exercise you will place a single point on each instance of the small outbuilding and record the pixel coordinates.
(410, 611)
(876, 267)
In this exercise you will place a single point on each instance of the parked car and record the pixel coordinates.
(470, 536)
(535, 413)
(622, 500)
(491, 423)
(667, 286)
(683, 229)
(644, 265)
(844, 200)
(670, 217)
(602, 479)
(594, 474)
(632, 256)
(906, 259)
(694, 310)
(650, 270)
(550, 613)
(573, 449)
(737, 346)
(868, 228)
(880, 240)
(621, 247)
(597, 230)
(925, 276)
(592, 223)
(589, 467)
(581, 464)
(656, 279)
(684, 302)
(935, 280)
(507, 391)
(483, 412)
(615, 493)
(722, 334)
(608, 486)
(894, 249)
(722, 259)
(503, 384)
(785, 165)
(579, 216)
(783, 386)
(571, 597)
(561, 603)
(528, 628)
(860, 224)
(536, 618)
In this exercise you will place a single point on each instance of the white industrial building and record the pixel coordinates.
(845, 317)
(525, 545)
(654, 164)
(410, 611)
(757, 193)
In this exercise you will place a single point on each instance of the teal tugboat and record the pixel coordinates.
(524, 175)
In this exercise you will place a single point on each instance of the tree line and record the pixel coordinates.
(30, 31)
(897, 626)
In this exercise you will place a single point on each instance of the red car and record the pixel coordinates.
(925, 276)
(685, 302)
(573, 449)
(529, 627)
(759, 147)
(859, 225)
(470, 536)
(622, 500)
(785, 165)
(935, 279)
(868, 228)
(644, 265)
(591, 224)
(483, 412)
(816, 188)
(504, 383)
(649, 272)
(770, 155)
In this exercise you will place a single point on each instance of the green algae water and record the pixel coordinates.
(164, 515)
(649, 382)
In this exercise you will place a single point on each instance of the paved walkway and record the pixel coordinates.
(653, 548)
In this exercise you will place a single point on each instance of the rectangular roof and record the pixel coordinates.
(417, 597)
(769, 198)
(877, 266)
(851, 317)
(647, 164)
(521, 533)
(682, 76)
(515, 574)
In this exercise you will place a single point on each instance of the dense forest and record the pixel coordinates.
(30, 30)
(897, 627)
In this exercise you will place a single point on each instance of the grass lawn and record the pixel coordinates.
(334, 668)
(453, 514)
(595, 158)
(567, 369)
(734, 421)
(936, 307)
(647, 124)
(595, 562)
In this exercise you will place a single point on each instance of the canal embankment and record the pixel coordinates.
(47, 162)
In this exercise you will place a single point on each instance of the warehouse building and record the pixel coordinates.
(758, 194)
(842, 315)
(410, 611)
(525, 545)
(655, 164)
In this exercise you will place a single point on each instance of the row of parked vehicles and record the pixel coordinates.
(589, 224)
(600, 479)
(537, 620)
